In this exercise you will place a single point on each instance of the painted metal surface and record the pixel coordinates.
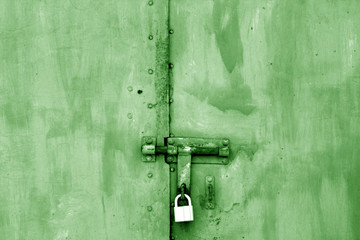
(82, 81)
(76, 81)
(281, 80)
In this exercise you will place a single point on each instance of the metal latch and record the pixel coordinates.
(181, 150)
(186, 146)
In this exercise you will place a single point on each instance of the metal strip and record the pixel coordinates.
(184, 169)
(162, 76)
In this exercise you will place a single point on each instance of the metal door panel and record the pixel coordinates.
(75, 89)
(280, 79)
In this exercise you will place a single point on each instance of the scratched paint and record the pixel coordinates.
(287, 73)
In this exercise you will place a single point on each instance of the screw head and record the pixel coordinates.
(150, 105)
(172, 238)
(149, 208)
(171, 100)
(150, 71)
(171, 31)
(172, 204)
(226, 142)
(170, 159)
(150, 175)
(225, 161)
(210, 205)
(150, 3)
(149, 140)
(151, 37)
(209, 179)
(171, 66)
(148, 158)
(172, 169)
(129, 115)
(172, 135)
(130, 88)
(170, 141)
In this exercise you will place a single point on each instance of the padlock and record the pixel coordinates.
(183, 213)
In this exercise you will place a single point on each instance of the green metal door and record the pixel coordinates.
(281, 80)
(82, 81)
(76, 77)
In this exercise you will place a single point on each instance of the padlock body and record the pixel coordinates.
(183, 214)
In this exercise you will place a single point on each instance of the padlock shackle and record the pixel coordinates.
(177, 198)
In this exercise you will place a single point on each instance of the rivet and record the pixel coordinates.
(150, 71)
(151, 37)
(130, 88)
(150, 105)
(171, 31)
(170, 141)
(149, 158)
(149, 208)
(129, 115)
(149, 140)
(150, 175)
(172, 169)
(150, 3)
(225, 142)
(171, 66)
